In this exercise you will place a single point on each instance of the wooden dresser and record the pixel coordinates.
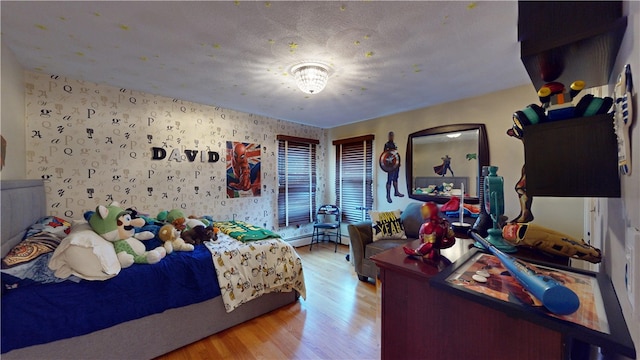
(421, 322)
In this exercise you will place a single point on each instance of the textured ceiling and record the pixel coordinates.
(386, 57)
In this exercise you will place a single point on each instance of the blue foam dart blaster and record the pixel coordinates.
(556, 297)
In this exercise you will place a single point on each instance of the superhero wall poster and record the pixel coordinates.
(243, 169)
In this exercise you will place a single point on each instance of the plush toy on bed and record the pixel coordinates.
(116, 225)
(146, 217)
(205, 220)
(174, 217)
(172, 240)
(199, 234)
(190, 223)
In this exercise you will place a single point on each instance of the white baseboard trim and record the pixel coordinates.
(305, 240)
(299, 241)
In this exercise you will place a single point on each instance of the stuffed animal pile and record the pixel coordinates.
(86, 253)
(193, 230)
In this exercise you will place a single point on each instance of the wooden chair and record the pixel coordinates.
(327, 224)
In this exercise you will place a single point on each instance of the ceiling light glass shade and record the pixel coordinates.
(311, 78)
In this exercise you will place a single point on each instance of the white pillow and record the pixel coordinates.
(387, 225)
(85, 254)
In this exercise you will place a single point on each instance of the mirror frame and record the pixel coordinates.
(483, 158)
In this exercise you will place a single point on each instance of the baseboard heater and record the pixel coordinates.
(303, 240)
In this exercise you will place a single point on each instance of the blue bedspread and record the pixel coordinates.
(43, 313)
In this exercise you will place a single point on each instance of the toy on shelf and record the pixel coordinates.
(435, 234)
(623, 117)
(556, 104)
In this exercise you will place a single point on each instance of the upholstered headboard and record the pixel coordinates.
(23, 202)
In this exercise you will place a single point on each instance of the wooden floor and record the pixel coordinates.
(336, 321)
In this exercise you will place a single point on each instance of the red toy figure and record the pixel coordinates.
(241, 168)
(435, 234)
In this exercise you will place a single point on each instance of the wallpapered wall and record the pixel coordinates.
(93, 144)
(12, 121)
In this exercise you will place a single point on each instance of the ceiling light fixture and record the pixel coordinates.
(311, 77)
(454, 135)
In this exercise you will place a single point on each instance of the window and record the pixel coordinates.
(354, 177)
(296, 180)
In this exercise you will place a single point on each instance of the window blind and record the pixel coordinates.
(296, 180)
(354, 177)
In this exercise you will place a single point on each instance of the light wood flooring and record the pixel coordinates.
(336, 321)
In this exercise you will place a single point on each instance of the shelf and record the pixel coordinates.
(584, 49)
(572, 158)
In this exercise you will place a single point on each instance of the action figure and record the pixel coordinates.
(525, 200)
(446, 165)
(435, 234)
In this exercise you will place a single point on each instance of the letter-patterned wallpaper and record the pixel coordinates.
(93, 144)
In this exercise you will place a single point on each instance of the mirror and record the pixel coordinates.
(442, 160)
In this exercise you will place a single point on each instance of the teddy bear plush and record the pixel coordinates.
(117, 226)
(199, 234)
(172, 240)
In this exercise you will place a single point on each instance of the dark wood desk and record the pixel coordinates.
(420, 322)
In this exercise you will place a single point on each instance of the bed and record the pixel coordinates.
(154, 332)
(422, 184)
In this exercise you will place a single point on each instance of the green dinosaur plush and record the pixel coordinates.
(116, 225)
(175, 214)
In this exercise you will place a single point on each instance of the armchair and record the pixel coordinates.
(363, 246)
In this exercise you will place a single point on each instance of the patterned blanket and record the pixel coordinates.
(243, 231)
(247, 270)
